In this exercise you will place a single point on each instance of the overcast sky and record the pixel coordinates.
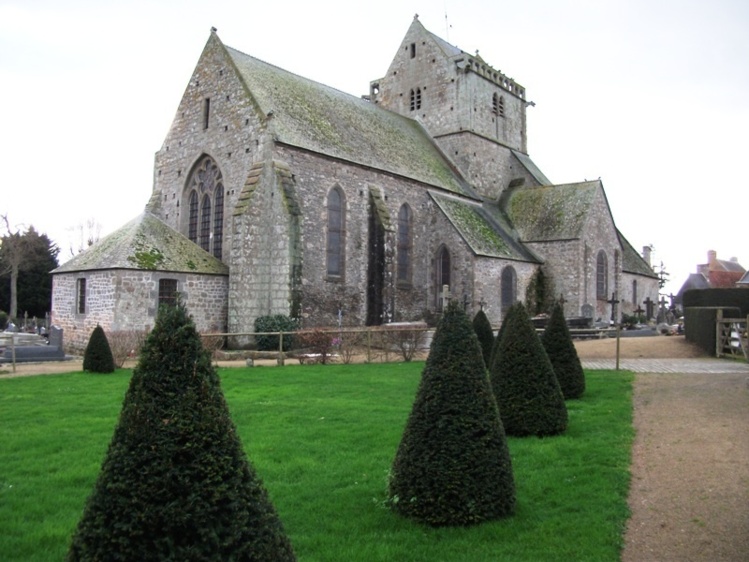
(652, 96)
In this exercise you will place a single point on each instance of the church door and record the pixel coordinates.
(375, 267)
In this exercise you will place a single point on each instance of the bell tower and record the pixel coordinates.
(474, 112)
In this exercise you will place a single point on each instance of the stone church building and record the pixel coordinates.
(274, 194)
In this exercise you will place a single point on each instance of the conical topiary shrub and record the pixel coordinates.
(175, 483)
(527, 391)
(485, 334)
(98, 355)
(560, 348)
(495, 343)
(453, 466)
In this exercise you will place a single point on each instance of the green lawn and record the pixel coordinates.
(323, 439)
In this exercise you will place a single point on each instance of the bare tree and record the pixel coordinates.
(84, 235)
(13, 248)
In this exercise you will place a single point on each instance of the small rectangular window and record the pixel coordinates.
(167, 292)
(80, 296)
(206, 112)
(413, 50)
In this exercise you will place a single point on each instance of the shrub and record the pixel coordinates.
(319, 344)
(561, 351)
(453, 466)
(484, 332)
(528, 394)
(97, 358)
(274, 323)
(125, 344)
(175, 483)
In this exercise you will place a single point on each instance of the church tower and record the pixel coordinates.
(475, 113)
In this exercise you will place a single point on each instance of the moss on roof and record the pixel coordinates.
(146, 243)
(553, 212)
(476, 227)
(632, 261)
(322, 119)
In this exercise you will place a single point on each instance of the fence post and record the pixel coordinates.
(280, 349)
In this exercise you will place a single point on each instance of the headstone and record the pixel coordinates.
(587, 311)
(55, 337)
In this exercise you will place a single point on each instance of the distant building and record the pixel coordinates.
(715, 274)
(274, 194)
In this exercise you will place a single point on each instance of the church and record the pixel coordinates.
(275, 194)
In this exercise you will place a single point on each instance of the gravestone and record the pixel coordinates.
(55, 337)
(51, 351)
(587, 311)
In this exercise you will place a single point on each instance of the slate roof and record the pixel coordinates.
(530, 165)
(632, 261)
(554, 212)
(319, 118)
(694, 281)
(480, 229)
(146, 243)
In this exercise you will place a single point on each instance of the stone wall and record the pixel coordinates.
(233, 137)
(456, 107)
(128, 300)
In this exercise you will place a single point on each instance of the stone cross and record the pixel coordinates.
(613, 302)
(562, 300)
(649, 306)
(445, 296)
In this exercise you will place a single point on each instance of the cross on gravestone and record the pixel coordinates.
(482, 302)
(562, 300)
(613, 301)
(445, 296)
(639, 310)
(465, 302)
(649, 306)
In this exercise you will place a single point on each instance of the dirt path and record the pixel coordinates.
(689, 494)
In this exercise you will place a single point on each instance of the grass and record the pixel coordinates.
(323, 439)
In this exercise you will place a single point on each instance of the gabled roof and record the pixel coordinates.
(146, 243)
(632, 261)
(550, 212)
(478, 227)
(726, 265)
(315, 117)
(531, 167)
(694, 281)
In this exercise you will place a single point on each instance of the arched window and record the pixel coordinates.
(218, 223)
(404, 244)
(602, 287)
(508, 287)
(205, 223)
(205, 199)
(498, 105)
(442, 276)
(336, 242)
(192, 229)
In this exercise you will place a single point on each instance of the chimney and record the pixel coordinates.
(646, 250)
(712, 255)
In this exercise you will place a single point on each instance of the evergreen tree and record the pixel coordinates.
(175, 483)
(98, 355)
(26, 261)
(485, 334)
(453, 466)
(560, 348)
(528, 394)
